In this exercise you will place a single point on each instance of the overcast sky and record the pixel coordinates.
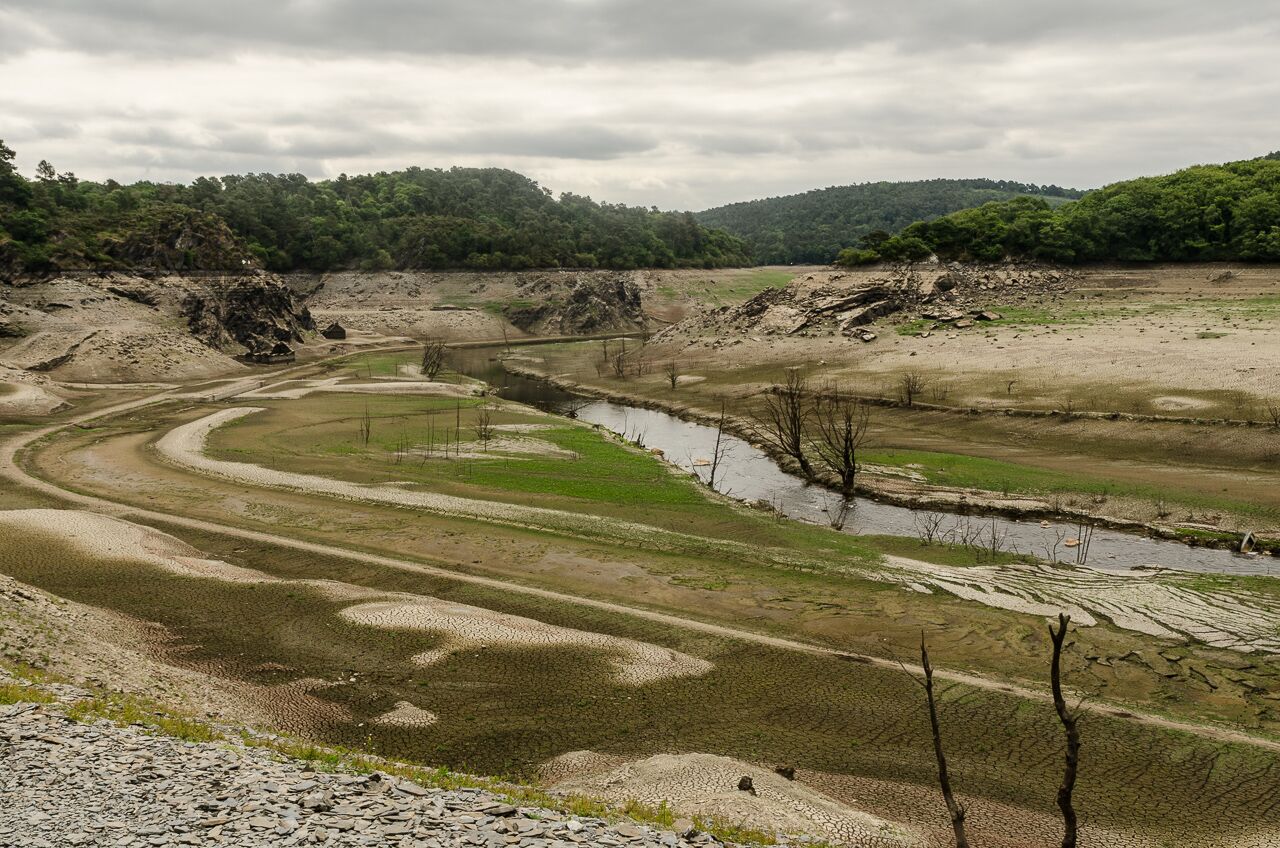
(674, 103)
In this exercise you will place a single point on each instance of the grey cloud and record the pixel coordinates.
(566, 142)
(571, 30)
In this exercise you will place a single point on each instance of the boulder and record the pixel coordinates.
(334, 331)
(988, 315)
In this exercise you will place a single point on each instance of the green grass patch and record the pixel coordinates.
(18, 693)
(124, 710)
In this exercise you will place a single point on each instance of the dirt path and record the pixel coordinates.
(10, 470)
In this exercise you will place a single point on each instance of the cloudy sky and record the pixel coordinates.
(674, 103)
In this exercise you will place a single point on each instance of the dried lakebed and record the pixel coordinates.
(1159, 604)
(758, 704)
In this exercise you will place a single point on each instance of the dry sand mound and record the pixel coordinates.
(707, 785)
(406, 714)
(464, 626)
(110, 538)
(25, 394)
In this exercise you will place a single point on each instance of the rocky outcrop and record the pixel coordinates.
(576, 304)
(334, 332)
(257, 312)
(845, 302)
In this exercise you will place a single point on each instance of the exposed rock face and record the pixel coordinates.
(334, 331)
(258, 312)
(578, 304)
(845, 302)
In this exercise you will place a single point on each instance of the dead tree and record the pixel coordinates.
(366, 426)
(484, 427)
(432, 358)
(1069, 724)
(722, 447)
(781, 423)
(910, 387)
(618, 362)
(954, 808)
(841, 428)
(672, 370)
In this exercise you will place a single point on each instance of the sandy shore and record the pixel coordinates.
(636, 663)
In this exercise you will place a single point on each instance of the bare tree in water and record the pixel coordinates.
(841, 428)
(432, 358)
(721, 448)
(781, 422)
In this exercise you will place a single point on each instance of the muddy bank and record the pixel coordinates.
(912, 494)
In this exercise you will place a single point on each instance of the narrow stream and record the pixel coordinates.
(748, 473)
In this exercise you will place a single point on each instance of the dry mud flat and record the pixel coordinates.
(1156, 605)
(869, 795)
(461, 626)
(1140, 327)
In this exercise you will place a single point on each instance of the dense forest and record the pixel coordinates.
(483, 218)
(1207, 213)
(817, 225)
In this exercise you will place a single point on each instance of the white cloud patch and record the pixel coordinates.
(682, 105)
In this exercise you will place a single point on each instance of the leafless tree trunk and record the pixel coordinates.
(928, 526)
(721, 449)
(1068, 720)
(672, 370)
(910, 386)
(366, 425)
(432, 358)
(781, 424)
(618, 362)
(1272, 410)
(484, 427)
(1085, 537)
(954, 808)
(842, 426)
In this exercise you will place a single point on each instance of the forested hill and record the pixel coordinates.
(418, 218)
(817, 225)
(1225, 212)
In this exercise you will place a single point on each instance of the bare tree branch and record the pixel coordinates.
(954, 807)
(432, 358)
(781, 423)
(842, 427)
(1068, 720)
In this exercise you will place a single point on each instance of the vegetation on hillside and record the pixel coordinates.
(1225, 212)
(817, 225)
(484, 218)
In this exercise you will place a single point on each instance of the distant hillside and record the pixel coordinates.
(482, 218)
(817, 225)
(1225, 212)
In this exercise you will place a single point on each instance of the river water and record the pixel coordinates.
(748, 473)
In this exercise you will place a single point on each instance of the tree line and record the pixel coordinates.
(1227, 212)
(480, 218)
(815, 226)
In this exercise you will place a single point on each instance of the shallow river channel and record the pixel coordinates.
(749, 474)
